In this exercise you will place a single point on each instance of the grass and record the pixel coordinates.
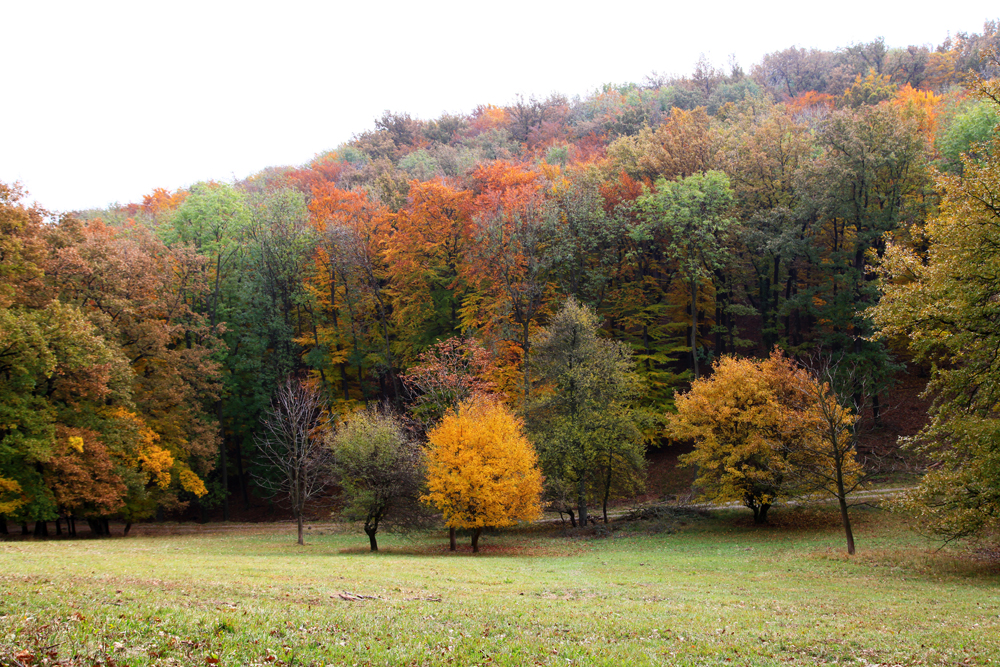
(716, 591)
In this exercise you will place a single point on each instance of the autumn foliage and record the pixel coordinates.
(481, 469)
(758, 429)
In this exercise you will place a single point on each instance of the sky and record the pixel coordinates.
(104, 101)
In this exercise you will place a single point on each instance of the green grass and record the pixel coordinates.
(715, 592)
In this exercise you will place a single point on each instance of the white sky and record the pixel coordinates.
(104, 101)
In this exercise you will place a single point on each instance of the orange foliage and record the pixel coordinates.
(161, 201)
(809, 100)
(487, 117)
(324, 169)
(425, 252)
(921, 105)
(500, 176)
(481, 469)
(616, 193)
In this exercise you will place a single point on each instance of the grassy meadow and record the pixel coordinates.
(691, 591)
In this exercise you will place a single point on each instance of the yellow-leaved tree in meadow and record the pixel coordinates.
(767, 429)
(481, 469)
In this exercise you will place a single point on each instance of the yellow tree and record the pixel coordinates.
(481, 469)
(759, 429)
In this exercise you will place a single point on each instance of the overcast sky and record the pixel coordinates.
(104, 101)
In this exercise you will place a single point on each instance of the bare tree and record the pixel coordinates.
(292, 446)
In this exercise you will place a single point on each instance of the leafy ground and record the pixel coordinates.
(714, 591)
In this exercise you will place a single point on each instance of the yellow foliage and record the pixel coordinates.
(147, 436)
(157, 462)
(10, 496)
(76, 443)
(762, 431)
(192, 483)
(481, 469)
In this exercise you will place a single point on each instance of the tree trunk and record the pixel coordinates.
(370, 530)
(58, 525)
(581, 503)
(239, 472)
(128, 527)
(525, 342)
(41, 529)
(572, 518)
(299, 520)
(607, 485)
(223, 463)
(694, 327)
(452, 543)
(844, 516)
(3, 525)
(760, 513)
(24, 528)
(475, 539)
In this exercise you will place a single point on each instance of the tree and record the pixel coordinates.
(870, 182)
(481, 469)
(943, 304)
(583, 412)
(379, 469)
(292, 446)
(827, 462)
(446, 374)
(511, 266)
(693, 212)
(757, 430)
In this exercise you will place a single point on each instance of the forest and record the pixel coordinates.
(596, 265)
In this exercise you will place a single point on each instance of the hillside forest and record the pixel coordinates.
(834, 209)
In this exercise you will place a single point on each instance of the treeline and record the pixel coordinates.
(698, 216)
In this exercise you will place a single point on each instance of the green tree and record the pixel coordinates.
(582, 415)
(693, 212)
(380, 471)
(943, 305)
(870, 181)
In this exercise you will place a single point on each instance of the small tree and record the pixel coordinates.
(827, 461)
(292, 446)
(758, 428)
(481, 469)
(380, 471)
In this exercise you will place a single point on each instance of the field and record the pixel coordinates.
(684, 591)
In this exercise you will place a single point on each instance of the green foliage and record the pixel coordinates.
(590, 436)
(380, 471)
(943, 304)
(969, 133)
(420, 165)
(693, 215)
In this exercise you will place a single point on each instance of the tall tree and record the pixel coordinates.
(582, 415)
(943, 304)
(694, 214)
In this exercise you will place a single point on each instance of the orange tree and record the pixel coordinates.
(760, 433)
(481, 469)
